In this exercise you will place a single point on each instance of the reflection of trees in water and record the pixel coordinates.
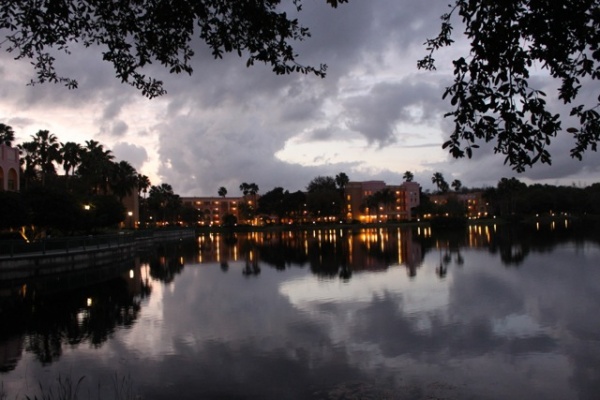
(337, 252)
(280, 250)
(166, 259)
(67, 310)
(251, 268)
(87, 315)
(327, 257)
(512, 242)
(342, 252)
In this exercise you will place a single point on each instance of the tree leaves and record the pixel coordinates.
(134, 34)
(491, 95)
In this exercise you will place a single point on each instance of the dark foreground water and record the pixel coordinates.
(488, 313)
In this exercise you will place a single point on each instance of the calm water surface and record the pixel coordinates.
(486, 313)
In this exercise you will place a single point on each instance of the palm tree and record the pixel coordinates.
(341, 180)
(456, 185)
(384, 198)
(48, 152)
(48, 148)
(222, 191)
(96, 166)
(438, 180)
(7, 135)
(28, 160)
(123, 180)
(248, 208)
(143, 184)
(249, 189)
(71, 156)
(408, 176)
(253, 189)
(163, 202)
(39, 156)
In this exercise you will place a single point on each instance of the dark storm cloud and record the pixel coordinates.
(376, 113)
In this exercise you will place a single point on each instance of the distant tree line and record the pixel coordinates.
(512, 198)
(323, 199)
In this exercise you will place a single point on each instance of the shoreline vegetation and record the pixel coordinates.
(67, 388)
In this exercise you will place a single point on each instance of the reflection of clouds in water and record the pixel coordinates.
(148, 337)
(519, 325)
(484, 330)
(482, 318)
(336, 304)
(419, 295)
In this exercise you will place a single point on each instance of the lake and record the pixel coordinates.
(489, 312)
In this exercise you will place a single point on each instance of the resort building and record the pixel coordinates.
(9, 168)
(375, 201)
(474, 204)
(214, 209)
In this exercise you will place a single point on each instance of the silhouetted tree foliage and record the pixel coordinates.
(281, 203)
(13, 210)
(272, 202)
(493, 95)
(107, 211)
(7, 134)
(189, 215)
(50, 207)
(163, 203)
(229, 220)
(323, 198)
(512, 197)
(135, 34)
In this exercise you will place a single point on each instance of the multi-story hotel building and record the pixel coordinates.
(9, 168)
(213, 209)
(405, 198)
(475, 205)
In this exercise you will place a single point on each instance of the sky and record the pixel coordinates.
(373, 117)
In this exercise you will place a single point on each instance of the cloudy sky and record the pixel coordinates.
(374, 116)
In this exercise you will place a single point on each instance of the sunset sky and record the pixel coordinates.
(374, 116)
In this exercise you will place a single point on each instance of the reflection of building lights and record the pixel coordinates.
(131, 274)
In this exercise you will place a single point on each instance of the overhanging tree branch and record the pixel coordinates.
(140, 32)
(491, 96)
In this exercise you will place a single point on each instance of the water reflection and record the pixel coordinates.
(328, 253)
(44, 316)
(339, 252)
(489, 312)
